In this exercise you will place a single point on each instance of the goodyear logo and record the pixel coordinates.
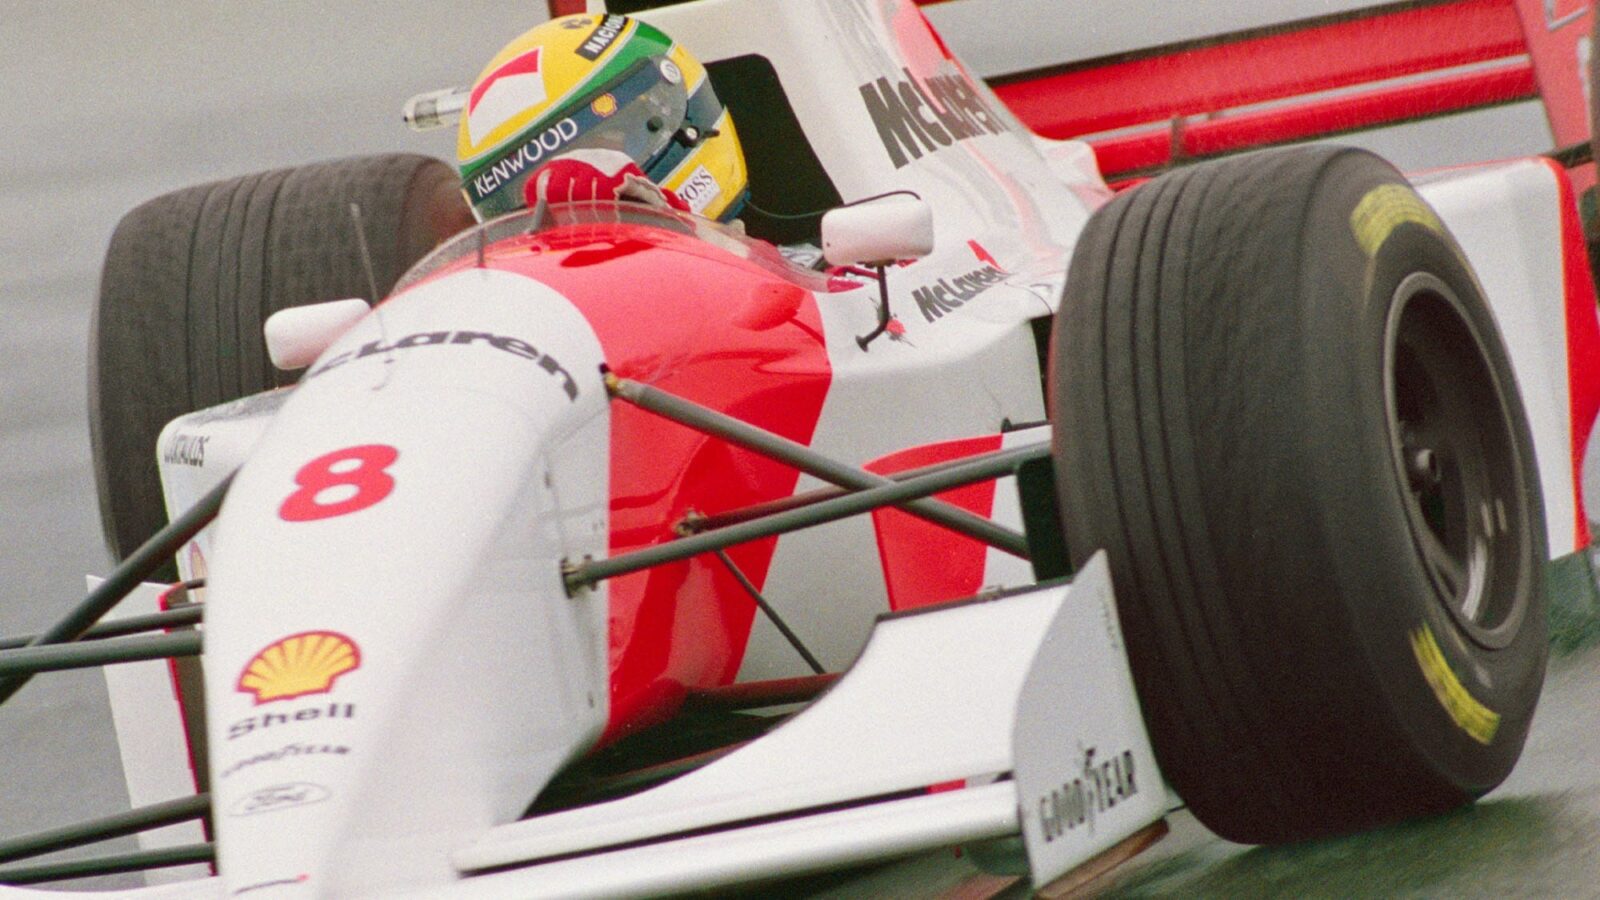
(298, 665)
(1478, 721)
(1385, 208)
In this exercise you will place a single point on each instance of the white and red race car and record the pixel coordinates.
(611, 552)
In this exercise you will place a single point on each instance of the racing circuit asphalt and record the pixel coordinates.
(109, 105)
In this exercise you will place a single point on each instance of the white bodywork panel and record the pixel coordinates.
(931, 723)
(482, 391)
(1086, 776)
(1025, 683)
(988, 701)
(151, 739)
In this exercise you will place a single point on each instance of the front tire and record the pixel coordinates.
(1282, 407)
(190, 278)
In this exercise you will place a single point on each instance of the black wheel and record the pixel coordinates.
(1283, 409)
(190, 277)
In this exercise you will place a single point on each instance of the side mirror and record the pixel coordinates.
(878, 232)
(298, 335)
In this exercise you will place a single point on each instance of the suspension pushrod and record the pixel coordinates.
(811, 462)
(132, 821)
(137, 861)
(188, 614)
(31, 660)
(127, 576)
(978, 468)
(708, 521)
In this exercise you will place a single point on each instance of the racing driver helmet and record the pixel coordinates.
(599, 82)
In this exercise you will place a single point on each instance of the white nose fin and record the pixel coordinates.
(298, 335)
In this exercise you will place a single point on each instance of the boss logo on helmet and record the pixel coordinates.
(700, 190)
(547, 143)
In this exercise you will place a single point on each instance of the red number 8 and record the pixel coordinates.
(368, 476)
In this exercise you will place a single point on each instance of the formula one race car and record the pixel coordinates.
(612, 551)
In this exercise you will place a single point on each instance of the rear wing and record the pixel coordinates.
(1314, 77)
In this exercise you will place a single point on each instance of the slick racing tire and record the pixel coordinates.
(1283, 410)
(190, 277)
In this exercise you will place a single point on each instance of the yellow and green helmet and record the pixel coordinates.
(599, 81)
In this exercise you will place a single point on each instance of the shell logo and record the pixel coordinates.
(300, 664)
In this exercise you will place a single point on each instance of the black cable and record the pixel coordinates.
(818, 214)
(793, 639)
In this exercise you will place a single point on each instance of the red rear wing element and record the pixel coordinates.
(1288, 82)
(1557, 33)
(1297, 80)
(1257, 67)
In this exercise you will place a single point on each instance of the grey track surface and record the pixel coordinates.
(110, 104)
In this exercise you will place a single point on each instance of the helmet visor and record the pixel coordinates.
(636, 113)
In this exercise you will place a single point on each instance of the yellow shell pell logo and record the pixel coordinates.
(300, 664)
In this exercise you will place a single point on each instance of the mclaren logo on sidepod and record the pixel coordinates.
(914, 117)
(950, 294)
(299, 665)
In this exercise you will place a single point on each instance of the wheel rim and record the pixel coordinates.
(1455, 453)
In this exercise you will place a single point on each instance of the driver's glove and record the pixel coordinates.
(588, 175)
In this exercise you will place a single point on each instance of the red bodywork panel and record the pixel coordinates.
(1354, 55)
(1301, 121)
(1239, 70)
(726, 332)
(925, 564)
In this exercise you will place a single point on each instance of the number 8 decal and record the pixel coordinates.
(326, 483)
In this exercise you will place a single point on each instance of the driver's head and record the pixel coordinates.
(599, 82)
